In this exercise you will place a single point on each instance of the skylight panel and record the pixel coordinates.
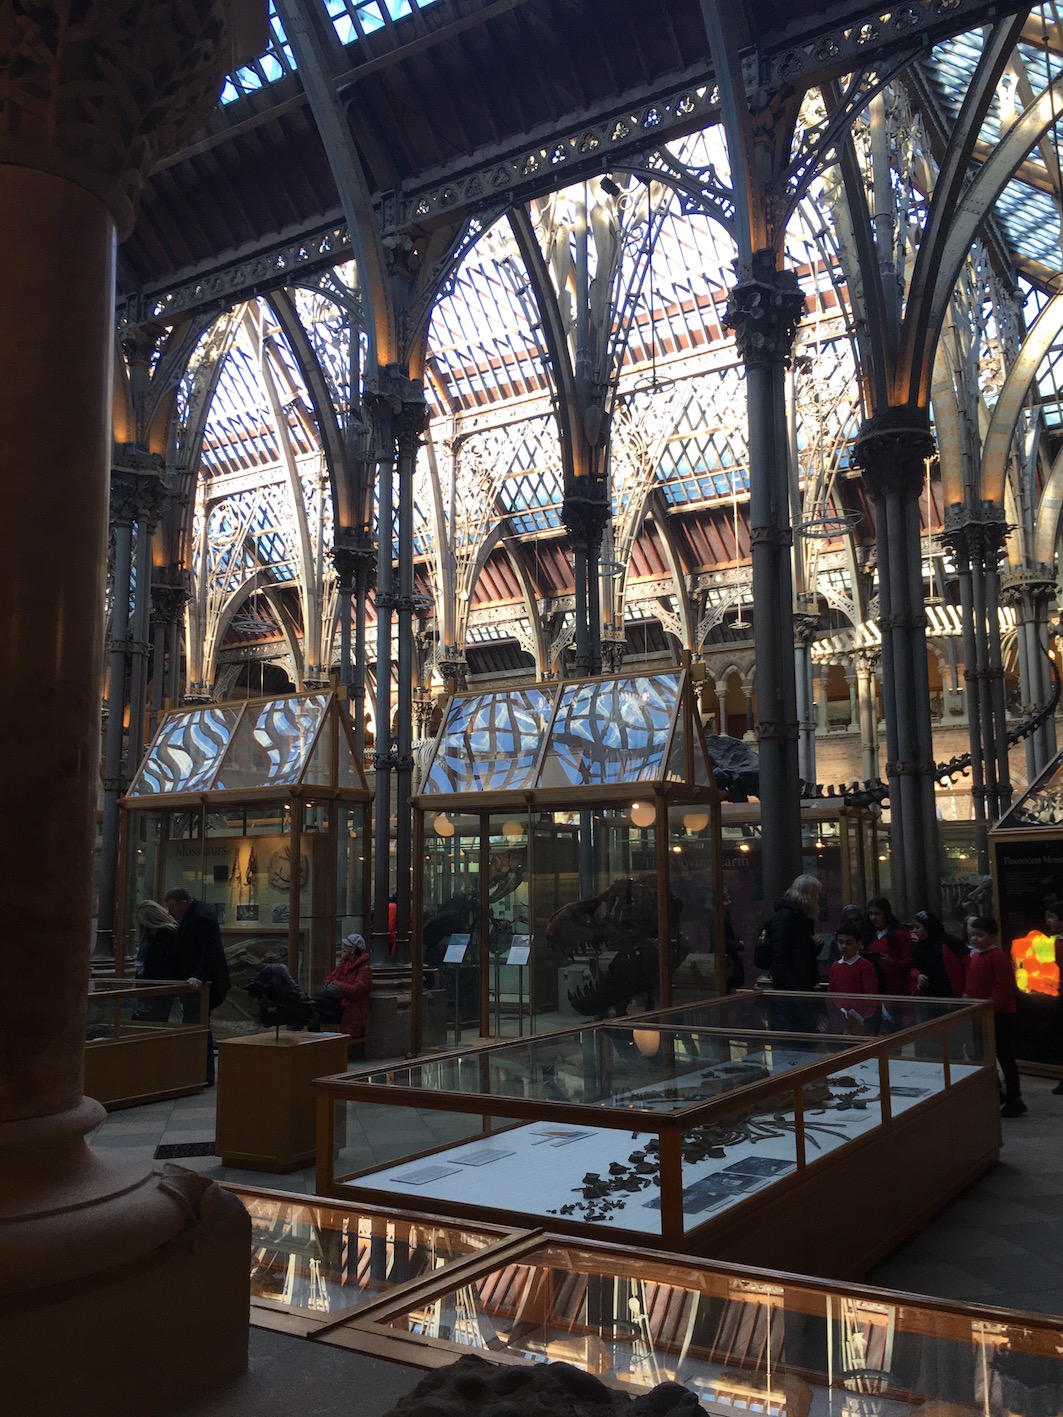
(277, 62)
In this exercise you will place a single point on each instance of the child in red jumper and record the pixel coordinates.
(990, 976)
(853, 974)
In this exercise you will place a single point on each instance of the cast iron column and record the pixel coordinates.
(892, 451)
(384, 409)
(764, 309)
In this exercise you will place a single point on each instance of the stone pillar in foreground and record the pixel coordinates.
(108, 1271)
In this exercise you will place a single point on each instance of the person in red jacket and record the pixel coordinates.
(851, 974)
(990, 976)
(888, 939)
(353, 977)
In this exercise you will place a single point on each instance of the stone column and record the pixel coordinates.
(411, 424)
(805, 625)
(1032, 590)
(821, 689)
(865, 700)
(892, 451)
(151, 493)
(99, 1260)
(123, 513)
(764, 309)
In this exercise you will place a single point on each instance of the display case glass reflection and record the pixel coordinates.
(745, 1342)
(319, 1260)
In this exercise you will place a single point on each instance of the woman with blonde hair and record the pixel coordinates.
(156, 955)
(795, 946)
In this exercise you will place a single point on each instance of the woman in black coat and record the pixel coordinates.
(795, 946)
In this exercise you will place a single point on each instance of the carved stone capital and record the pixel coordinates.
(805, 627)
(780, 536)
(892, 450)
(355, 564)
(764, 310)
(777, 729)
(98, 94)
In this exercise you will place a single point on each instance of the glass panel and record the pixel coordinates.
(841, 1107)
(451, 909)
(692, 961)
(743, 1343)
(522, 971)
(323, 1259)
(966, 1048)
(625, 1067)
(371, 1134)
(593, 910)
(584, 1173)
(186, 751)
(318, 771)
(612, 731)
(917, 1071)
(490, 742)
(768, 1010)
(271, 744)
(729, 1159)
(128, 1009)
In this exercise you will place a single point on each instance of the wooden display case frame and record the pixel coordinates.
(147, 1061)
(955, 1132)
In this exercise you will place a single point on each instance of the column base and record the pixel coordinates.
(122, 1289)
(389, 1033)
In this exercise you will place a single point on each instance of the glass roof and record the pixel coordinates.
(280, 743)
(352, 21)
(587, 733)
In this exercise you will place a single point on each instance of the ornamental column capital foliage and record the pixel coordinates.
(764, 309)
(97, 93)
(892, 450)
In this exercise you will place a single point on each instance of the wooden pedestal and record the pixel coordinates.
(267, 1108)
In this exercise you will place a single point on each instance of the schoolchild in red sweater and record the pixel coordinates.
(853, 974)
(990, 976)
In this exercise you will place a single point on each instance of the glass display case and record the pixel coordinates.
(700, 1128)
(314, 1262)
(567, 855)
(1026, 849)
(261, 810)
(424, 1292)
(840, 846)
(145, 1042)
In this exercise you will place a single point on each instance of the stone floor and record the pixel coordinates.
(1001, 1243)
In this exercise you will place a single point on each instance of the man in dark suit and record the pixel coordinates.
(199, 953)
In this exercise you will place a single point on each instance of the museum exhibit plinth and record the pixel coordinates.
(266, 1115)
(1026, 853)
(702, 1130)
(422, 1291)
(260, 809)
(567, 854)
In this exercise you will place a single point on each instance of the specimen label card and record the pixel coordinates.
(456, 948)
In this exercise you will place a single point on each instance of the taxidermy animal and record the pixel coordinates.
(280, 1000)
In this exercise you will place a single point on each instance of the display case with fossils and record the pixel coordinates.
(260, 809)
(568, 844)
(703, 1129)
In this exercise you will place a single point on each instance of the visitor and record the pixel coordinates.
(939, 960)
(353, 979)
(736, 966)
(199, 954)
(990, 976)
(887, 938)
(853, 975)
(156, 957)
(791, 939)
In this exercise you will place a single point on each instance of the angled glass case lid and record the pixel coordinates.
(490, 742)
(300, 739)
(272, 744)
(187, 749)
(612, 730)
(1041, 805)
(618, 731)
